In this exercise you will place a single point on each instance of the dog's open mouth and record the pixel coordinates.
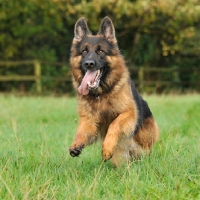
(90, 81)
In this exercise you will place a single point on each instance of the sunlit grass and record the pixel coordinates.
(35, 133)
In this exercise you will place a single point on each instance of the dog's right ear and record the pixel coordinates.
(107, 29)
(81, 29)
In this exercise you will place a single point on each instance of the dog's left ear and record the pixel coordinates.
(81, 29)
(107, 29)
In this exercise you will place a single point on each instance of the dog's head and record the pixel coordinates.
(92, 57)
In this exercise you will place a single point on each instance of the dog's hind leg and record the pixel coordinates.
(120, 157)
(138, 145)
(122, 153)
(146, 136)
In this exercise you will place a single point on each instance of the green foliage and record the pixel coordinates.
(41, 29)
(146, 45)
(150, 32)
(32, 29)
(35, 134)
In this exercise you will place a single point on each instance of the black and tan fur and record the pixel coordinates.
(114, 111)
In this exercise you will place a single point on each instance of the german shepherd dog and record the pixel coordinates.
(109, 107)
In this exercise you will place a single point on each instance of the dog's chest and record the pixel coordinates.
(106, 111)
(106, 118)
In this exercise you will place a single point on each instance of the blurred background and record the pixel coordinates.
(160, 40)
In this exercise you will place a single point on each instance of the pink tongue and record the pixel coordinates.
(89, 77)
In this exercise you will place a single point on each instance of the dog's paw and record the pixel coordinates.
(108, 148)
(75, 150)
(106, 154)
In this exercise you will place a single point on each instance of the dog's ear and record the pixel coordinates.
(81, 29)
(107, 29)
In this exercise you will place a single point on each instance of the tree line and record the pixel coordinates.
(150, 33)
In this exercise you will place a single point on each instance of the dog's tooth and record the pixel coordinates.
(88, 83)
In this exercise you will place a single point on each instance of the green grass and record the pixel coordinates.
(35, 133)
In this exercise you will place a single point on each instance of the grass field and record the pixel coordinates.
(35, 133)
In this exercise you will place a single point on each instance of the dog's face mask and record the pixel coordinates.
(94, 51)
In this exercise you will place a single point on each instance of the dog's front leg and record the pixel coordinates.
(86, 134)
(122, 126)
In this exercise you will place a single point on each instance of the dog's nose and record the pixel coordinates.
(89, 64)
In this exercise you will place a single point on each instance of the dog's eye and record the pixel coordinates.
(84, 52)
(100, 52)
